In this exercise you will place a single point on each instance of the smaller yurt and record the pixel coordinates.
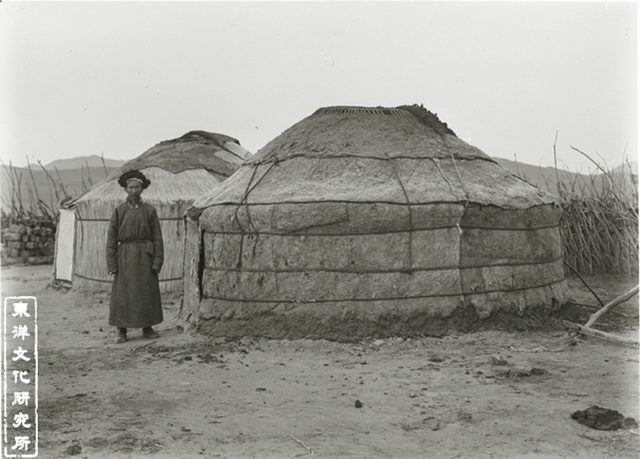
(180, 170)
(369, 222)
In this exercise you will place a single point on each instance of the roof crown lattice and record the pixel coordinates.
(423, 115)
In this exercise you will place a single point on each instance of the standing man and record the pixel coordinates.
(135, 254)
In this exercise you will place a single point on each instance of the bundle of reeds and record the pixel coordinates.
(29, 213)
(25, 200)
(599, 226)
(599, 236)
(29, 191)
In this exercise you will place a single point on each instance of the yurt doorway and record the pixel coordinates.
(64, 254)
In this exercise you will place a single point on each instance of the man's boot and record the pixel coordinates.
(121, 335)
(149, 333)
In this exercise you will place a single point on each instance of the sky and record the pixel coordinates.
(115, 78)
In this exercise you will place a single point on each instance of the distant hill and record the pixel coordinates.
(561, 181)
(84, 161)
(74, 181)
(544, 178)
(75, 175)
(631, 166)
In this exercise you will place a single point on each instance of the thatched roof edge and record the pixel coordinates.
(191, 186)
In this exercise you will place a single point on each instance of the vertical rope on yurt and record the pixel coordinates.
(237, 220)
(464, 207)
(466, 194)
(455, 165)
(437, 163)
(245, 201)
(181, 240)
(76, 251)
(201, 263)
(406, 197)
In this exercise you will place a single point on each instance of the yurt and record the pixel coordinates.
(371, 222)
(180, 170)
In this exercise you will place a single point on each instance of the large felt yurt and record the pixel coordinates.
(180, 170)
(360, 222)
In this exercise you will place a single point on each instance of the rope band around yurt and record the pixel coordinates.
(107, 281)
(391, 271)
(391, 298)
(79, 218)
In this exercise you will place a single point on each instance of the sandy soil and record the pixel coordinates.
(467, 396)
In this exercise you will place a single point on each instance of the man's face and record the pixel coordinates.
(134, 189)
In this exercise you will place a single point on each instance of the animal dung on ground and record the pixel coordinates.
(74, 449)
(498, 360)
(603, 419)
(522, 372)
(358, 404)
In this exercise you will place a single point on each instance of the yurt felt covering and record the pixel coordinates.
(360, 222)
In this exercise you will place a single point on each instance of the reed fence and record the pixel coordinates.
(599, 225)
(29, 211)
(599, 236)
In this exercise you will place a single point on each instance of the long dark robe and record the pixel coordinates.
(134, 251)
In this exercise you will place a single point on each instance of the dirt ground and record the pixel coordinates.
(467, 396)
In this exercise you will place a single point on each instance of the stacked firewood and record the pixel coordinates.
(31, 242)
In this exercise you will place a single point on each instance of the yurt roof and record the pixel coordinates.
(364, 132)
(372, 154)
(185, 167)
(216, 153)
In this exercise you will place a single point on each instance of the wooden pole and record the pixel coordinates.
(621, 299)
(575, 271)
(599, 334)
